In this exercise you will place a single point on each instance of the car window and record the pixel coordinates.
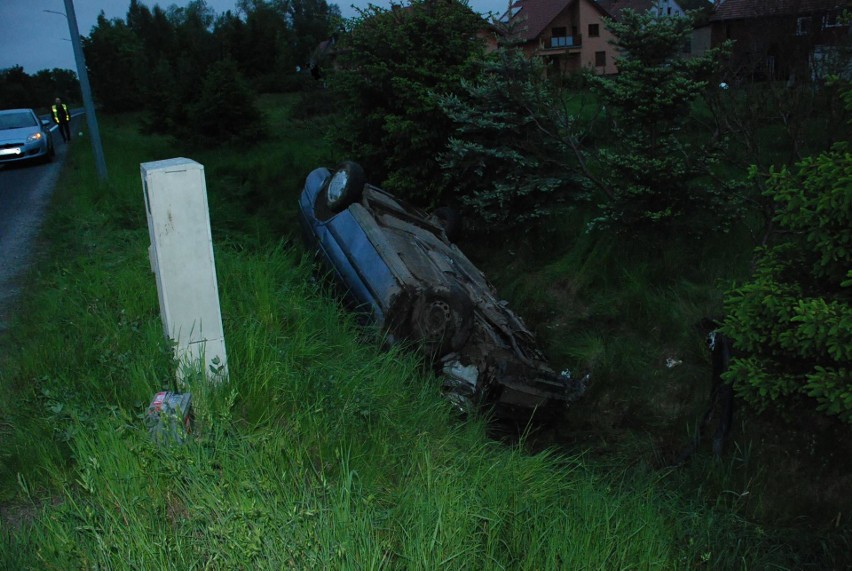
(17, 120)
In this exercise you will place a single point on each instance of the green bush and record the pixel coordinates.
(112, 57)
(393, 62)
(793, 320)
(226, 110)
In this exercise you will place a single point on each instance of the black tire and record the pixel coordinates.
(450, 220)
(442, 319)
(345, 186)
(45, 158)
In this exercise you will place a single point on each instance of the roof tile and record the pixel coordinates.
(615, 7)
(532, 16)
(741, 9)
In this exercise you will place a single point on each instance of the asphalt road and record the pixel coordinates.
(25, 191)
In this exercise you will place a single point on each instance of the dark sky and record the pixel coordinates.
(36, 40)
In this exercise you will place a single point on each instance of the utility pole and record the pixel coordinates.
(83, 76)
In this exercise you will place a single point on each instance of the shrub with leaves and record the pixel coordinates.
(657, 170)
(226, 110)
(793, 320)
(19, 89)
(393, 62)
(111, 52)
(511, 161)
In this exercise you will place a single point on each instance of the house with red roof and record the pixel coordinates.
(567, 34)
(570, 35)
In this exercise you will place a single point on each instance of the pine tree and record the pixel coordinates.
(658, 174)
(511, 162)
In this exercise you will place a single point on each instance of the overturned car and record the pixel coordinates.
(399, 265)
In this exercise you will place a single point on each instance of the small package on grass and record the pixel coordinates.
(169, 416)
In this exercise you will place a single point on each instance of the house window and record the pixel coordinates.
(832, 20)
(803, 26)
(594, 31)
(559, 38)
(600, 59)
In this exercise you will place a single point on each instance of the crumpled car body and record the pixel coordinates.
(397, 265)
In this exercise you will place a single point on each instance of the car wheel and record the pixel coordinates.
(345, 186)
(450, 220)
(442, 319)
(43, 159)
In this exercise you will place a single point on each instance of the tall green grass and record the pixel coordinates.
(323, 451)
(629, 308)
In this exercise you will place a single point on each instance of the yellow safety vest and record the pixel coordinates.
(64, 112)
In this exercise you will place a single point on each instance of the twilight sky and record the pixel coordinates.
(36, 40)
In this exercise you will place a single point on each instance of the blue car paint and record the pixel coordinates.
(347, 249)
(512, 373)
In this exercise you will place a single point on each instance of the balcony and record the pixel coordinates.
(562, 42)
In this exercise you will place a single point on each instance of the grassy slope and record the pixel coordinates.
(627, 306)
(322, 452)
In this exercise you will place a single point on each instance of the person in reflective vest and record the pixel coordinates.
(62, 118)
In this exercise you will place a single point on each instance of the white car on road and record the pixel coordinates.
(23, 136)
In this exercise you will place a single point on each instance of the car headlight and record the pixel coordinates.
(35, 137)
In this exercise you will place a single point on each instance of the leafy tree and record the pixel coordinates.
(156, 32)
(158, 87)
(193, 26)
(512, 160)
(259, 43)
(113, 56)
(14, 88)
(658, 174)
(19, 89)
(312, 22)
(178, 51)
(232, 38)
(56, 82)
(793, 320)
(160, 60)
(161, 99)
(394, 62)
(226, 110)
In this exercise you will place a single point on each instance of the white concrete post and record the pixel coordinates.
(181, 255)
